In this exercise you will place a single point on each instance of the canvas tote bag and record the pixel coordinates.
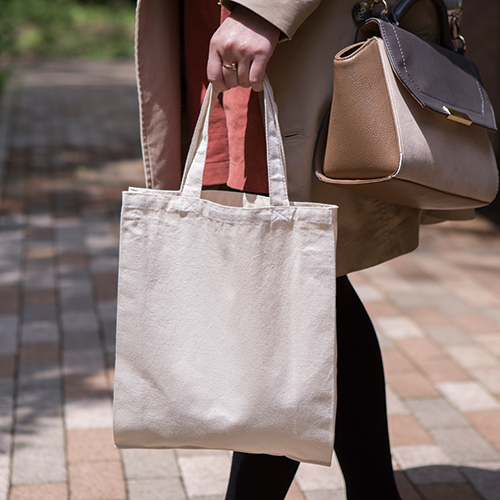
(226, 315)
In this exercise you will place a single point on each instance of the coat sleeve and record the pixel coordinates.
(286, 15)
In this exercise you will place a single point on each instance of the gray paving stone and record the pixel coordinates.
(149, 464)
(4, 482)
(156, 489)
(448, 335)
(464, 445)
(31, 465)
(41, 331)
(436, 413)
(6, 392)
(34, 378)
(435, 474)
(8, 334)
(485, 479)
(82, 361)
(42, 432)
(45, 312)
(80, 330)
(325, 495)
(38, 402)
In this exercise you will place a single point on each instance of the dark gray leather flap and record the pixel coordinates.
(438, 78)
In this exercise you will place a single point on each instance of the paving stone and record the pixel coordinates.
(316, 477)
(419, 456)
(8, 334)
(436, 413)
(468, 396)
(448, 492)
(40, 492)
(399, 327)
(82, 361)
(411, 385)
(435, 474)
(491, 341)
(294, 492)
(396, 362)
(40, 432)
(205, 475)
(156, 489)
(150, 464)
(368, 293)
(44, 312)
(487, 422)
(7, 366)
(471, 356)
(92, 385)
(97, 481)
(91, 445)
(394, 404)
(39, 354)
(476, 324)
(463, 445)
(376, 309)
(33, 378)
(485, 479)
(489, 377)
(406, 490)
(428, 316)
(4, 482)
(88, 414)
(32, 465)
(405, 430)
(326, 495)
(448, 335)
(41, 331)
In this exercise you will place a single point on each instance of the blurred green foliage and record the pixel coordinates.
(67, 28)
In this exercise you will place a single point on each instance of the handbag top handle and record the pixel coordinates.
(192, 180)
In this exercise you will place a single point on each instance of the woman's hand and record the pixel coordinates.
(244, 41)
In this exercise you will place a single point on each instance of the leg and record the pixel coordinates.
(361, 435)
(262, 477)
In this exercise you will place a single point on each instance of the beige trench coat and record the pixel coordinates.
(301, 73)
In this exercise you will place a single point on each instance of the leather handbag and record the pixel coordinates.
(226, 317)
(409, 120)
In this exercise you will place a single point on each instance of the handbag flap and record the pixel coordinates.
(437, 78)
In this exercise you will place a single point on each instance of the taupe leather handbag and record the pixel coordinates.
(409, 120)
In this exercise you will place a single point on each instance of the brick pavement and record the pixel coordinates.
(72, 146)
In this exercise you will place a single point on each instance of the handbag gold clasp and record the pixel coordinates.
(457, 116)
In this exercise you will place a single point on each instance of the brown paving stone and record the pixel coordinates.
(443, 369)
(405, 488)
(427, 316)
(411, 385)
(93, 385)
(91, 445)
(105, 286)
(448, 492)
(7, 366)
(420, 349)
(39, 354)
(39, 297)
(376, 309)
(476, 324)
(395, 362)
(39, 232)
(487, 422)
(41, 252)
(72, 260)
(97, 481)
(9, 299)
(409, 270)
(56, 491)
(405, 430)
(294, 492)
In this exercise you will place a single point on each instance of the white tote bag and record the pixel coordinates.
(226, 315)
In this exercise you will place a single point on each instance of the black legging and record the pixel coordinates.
(361, 436)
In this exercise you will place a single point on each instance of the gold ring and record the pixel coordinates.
(231, 66)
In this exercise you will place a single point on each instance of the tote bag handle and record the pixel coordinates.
(192, 180)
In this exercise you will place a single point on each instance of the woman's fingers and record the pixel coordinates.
(240, 50)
